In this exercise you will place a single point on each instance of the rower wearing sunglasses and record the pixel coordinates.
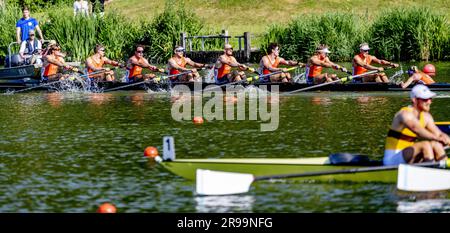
(135, 65)
(177, 65)
(53, 62)
(225, 64)
(96, 62)
(362, 64)
(411, 123)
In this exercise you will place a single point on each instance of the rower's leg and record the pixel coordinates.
(384, 78)
(420, 151)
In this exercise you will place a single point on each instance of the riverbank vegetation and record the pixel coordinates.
(400, 33)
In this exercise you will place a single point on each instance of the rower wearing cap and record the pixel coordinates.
(361, 64)
(135, 65)
(417, 76)
(52, 63)
(269, 64)
(224, 65)
(96, 62)
(414, 122)
(317, 62)
(177, 65)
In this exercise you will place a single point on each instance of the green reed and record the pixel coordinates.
(8, 18)
(411, 34)
(340, 31)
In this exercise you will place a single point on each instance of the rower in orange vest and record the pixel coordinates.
(417, 76)
(316, 63)
(52, 62)
(135, 65)
(269, 64)
(177, 65)
(224, 65)
(362, 64)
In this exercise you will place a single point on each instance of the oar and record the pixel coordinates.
(147, 81)
(224, 183)
(348, 78)
(249, 79)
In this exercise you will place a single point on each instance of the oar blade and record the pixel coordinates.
(222, 183)
(421, 179)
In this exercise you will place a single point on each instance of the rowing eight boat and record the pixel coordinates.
(282, 87)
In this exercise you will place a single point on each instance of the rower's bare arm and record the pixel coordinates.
(407, 83)
(410, 121)
(54, 61)
(361, 62)
(194, 64)
(232, 63)
(317, 62)
(431, 126)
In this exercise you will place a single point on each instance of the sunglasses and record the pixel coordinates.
(101, 50)
(139, 51)
(179, 50)
(365, 50)
(31, 35)
(425, 100)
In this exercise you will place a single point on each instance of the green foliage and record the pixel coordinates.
(38, 5)
(163, 33)
(340, 31)
(8, 18)
(78, 35)
(399, 34)
(411, 34)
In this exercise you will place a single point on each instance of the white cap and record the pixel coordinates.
(364, 47)
(325, 50)
(422, 92)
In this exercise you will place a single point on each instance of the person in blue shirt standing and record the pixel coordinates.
(25, 24)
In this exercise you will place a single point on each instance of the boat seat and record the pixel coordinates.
(353, 160)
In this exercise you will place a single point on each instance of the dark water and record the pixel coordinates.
(69, 152)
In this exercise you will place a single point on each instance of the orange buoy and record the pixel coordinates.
(198, 120)
(107, 208)
(429, 69)
(151, 152)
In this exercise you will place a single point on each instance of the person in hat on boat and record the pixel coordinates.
(362, 64)
(136, 63)
(417, 76)
(52, 62)
(96, 62)
(270, 62)
(317, 62)
(30, 49)
(177, 65)
(224, 65)
(411, 123)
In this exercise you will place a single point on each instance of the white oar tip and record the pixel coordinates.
(222, 183)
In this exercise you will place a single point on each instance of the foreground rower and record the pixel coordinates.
(177, 65)
(417, 76)
(52, 62)
(224, 65)
(135, 65)
(317, 62)
(96, 62)
(414, 122)
(269, 64)
(361, 64)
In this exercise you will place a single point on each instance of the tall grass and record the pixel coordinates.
(341, 31)
(163, 33)
(411, 34)
(398, 34)
(8, 18)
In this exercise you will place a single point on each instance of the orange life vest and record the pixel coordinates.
(52, 69)
(182, 64)
(426, 79)
(96, 64)
(314, 70)
(273, 64)
(223, 70)
(357, 69)
(135, 70)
